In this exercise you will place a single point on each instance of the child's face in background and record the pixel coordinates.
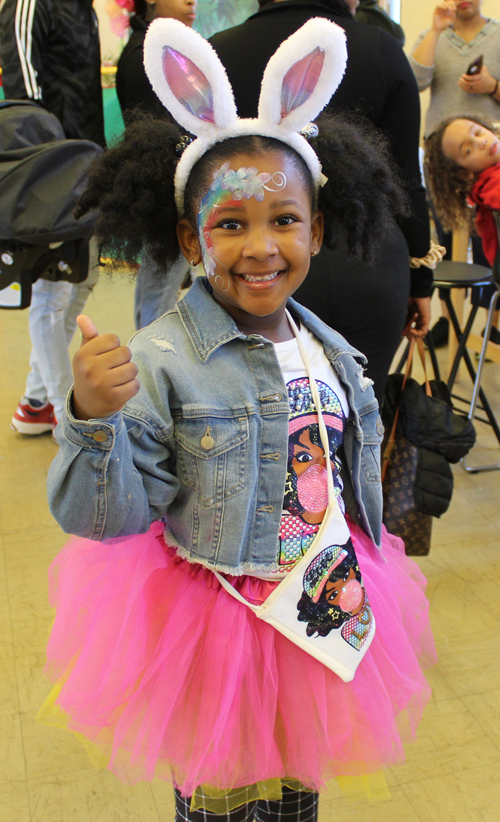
(256, 234)
(471, 146)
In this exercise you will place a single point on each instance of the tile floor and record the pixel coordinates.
(451, 771)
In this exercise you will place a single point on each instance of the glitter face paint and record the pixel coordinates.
(228, 188)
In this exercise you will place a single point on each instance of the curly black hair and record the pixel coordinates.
(450, 183)
(132, 186)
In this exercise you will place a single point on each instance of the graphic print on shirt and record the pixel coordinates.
(334, 596)
(306, 489)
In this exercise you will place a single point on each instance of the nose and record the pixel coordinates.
(260, 245)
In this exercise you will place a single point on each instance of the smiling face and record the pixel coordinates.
(255, 233)
(471, 146)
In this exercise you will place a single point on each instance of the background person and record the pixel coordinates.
(370, 13)
(50, 54)
(156, 290)
(459, 34)
(369, 303)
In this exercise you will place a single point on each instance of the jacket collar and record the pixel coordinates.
(209, 326)
(138, 23)
(315, 7)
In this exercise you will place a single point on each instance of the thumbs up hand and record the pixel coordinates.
(105, 376)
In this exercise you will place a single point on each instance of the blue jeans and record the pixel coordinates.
(52, 322)
(156, 289)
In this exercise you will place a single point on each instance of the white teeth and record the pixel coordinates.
(249, 279)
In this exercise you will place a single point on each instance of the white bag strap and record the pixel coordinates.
(333, 506)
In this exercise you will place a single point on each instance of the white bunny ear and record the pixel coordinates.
(188, 77)
(302, 75)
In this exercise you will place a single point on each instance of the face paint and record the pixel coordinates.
(229, 187)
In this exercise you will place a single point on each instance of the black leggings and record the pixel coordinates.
(295, 806)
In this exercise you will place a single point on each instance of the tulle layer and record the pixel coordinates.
(163, 674)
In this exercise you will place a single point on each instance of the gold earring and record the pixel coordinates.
(314, 252)
(192, 261)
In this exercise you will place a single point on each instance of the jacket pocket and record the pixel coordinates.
(370, 462)
(211, 455)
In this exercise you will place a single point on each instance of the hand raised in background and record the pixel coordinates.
(104, 374)
(444, 15)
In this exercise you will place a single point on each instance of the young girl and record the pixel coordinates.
(201, 440)
(463, 161)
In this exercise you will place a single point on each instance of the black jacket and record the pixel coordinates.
(133, 88)
(55, 60)
(378, 83)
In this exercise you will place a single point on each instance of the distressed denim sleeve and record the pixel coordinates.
(111, 476)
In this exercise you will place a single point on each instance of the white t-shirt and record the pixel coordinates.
(306, 493)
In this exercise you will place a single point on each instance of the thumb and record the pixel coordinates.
(87, 327)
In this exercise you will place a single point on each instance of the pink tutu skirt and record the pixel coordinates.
(163, 673)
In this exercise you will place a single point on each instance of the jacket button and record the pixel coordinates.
(380, 428)
(100, 436)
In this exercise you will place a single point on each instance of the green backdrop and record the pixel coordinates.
(216, 15)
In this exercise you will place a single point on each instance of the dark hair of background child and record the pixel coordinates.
(450, 183)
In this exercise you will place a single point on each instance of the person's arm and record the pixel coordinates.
(443, 18)
(400, 122)
(24, 32)
(112, 474)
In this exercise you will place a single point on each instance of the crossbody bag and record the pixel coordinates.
(321, 605)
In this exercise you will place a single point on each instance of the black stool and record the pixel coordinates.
(448, 275)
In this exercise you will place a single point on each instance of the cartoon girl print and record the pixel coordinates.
(306, 489)
(334, 596)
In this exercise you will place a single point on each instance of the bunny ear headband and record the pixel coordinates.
(192, 84)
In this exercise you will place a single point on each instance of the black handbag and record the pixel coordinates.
(424, 435)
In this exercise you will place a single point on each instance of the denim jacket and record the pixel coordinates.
(204, 443)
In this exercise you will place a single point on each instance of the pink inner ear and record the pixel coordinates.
(188, 84)
(301, 80)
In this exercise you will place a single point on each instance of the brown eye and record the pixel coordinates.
(303, 457)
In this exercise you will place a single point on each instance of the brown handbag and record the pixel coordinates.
(399, 467)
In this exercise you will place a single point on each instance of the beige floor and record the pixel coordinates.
(451, 773)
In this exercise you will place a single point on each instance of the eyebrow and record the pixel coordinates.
(283, 203)
(274, 204)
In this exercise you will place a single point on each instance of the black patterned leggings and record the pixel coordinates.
(295, 806)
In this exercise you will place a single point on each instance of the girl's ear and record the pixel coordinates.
(317, 231)
(189, 242)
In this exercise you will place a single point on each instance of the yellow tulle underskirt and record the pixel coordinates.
(372, 787)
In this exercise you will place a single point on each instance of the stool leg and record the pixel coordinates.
(477, 392)
(462, 337)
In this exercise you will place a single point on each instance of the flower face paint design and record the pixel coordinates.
(230, 187)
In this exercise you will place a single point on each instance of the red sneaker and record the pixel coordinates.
(30, 420)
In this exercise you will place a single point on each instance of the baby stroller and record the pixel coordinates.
(41, 175)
